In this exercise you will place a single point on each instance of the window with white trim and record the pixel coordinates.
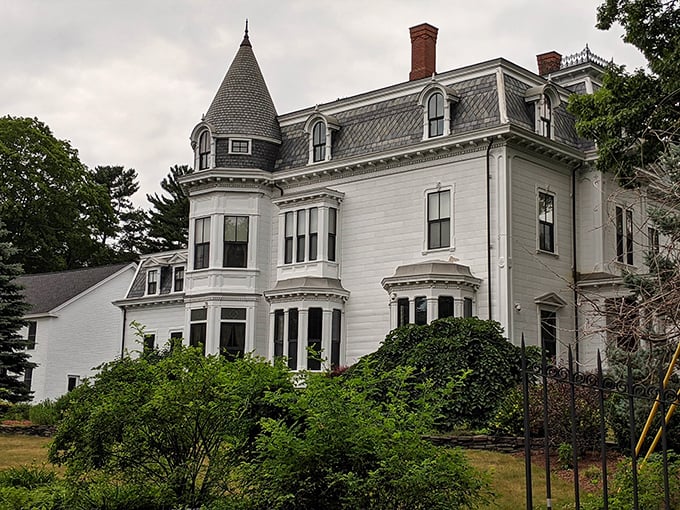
(653, 246)
(301, 235)
(31, 334)
(198, 327)
(202, 243)
(72, 381)
(319, 141)
(546, 222)
(152, 281)
(320, 128)
(435, 115)
(178, 279)
(624, 235)
(149, 341)
(232, 332)
(314, 336)
(239, 146)
(235, 241)
(549, 332)
(439, 219)
(544, 116)
(204, 144)
(28, 377)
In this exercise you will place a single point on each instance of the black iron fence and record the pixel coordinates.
(538, 375)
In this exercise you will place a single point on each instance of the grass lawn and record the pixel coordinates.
(17, 450)
(507, 472)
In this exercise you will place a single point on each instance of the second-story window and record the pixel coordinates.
(546, 222)
(435, 115)
(624, 235)
(235, 241)
(301, 229)
(239, 146)
(545, 116)
(204, 150)
(202, 243)
(152, 281)
(319, 141)
(438, 220)
(288, 239)
(32, 331)
(178, 280)
(313, 232)
(332, 231)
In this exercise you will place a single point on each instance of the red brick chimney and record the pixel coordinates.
(423, 51)
(548, 62)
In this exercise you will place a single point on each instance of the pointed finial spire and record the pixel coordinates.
(246, 40)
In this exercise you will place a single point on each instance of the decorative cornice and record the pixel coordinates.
(147, 301)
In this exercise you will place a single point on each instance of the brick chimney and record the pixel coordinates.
(548, 62)
(423, 51)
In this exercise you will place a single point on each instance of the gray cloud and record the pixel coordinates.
(126, 81)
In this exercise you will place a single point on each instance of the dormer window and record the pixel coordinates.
(436, 101)
(435, 115)
(320, 129)
(204, 150)
(152, 282)
(319, 141)
(545, 116)
(544, 99)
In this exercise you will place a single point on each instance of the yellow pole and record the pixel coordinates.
(655, 407)
(670, 412)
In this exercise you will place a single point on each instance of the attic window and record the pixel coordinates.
(320, 129)
(204, 150)
(436, 101)
(239, 146)
(544, 99)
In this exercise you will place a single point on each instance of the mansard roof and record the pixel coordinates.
(242, 105)
(46, 291)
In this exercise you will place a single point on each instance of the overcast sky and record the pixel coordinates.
(125, 81)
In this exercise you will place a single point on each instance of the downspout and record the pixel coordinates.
(122, 342)
(574, 274)
(488, 222)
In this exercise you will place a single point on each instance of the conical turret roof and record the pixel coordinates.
(242, 105)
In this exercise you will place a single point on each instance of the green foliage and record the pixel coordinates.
(44, 413)
(26, 477)
(508, 419)
(650, 486)
(442, 351)
(565, 455)
(31, 487)
(341, 449)
(49, 201)
(14, 360)
(176, 424)
(633, 117)
(168, 220)
(18, 411)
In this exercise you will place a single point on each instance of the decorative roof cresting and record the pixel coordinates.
(583, 57)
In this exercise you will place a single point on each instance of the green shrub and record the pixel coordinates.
(508, 419)
(26, 477)
(650, 486)
(16, 411)
(31, 487)
(565, 455)
(447, 348)
(44, 413)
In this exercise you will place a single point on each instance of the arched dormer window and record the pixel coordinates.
(436, 101)
(319, 141)
(320, 129)
(435, 115)
(204, 150)
(545, 99)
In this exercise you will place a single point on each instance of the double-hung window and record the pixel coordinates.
(545, 116)
(32, 331)
(549, 332)
(439, 219)
(235, 241)
(332, 230)
(232, 332)
(653, 241)
(624, 235)
(152, 281)
(202, 243)
(301, 230)
(314, 335)
(546, 222)
(288, 238)
(204, 150)
(293, 316)
(279, 324)
(435, 115)
(198, 327)
(313, 233)
(319, 141)
(178, 279)
(403, 310)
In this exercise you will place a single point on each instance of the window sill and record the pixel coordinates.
(553, 254)
(449, 249)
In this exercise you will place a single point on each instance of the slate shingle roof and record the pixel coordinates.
(242, 104)
(46, 291)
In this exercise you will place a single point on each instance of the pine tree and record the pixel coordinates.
(169, 217)
(14, 360)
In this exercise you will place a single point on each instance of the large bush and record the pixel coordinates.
(345, 451)
(448, 348)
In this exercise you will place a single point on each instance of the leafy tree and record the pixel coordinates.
(169, 216)
(14, 360)
(634, 116)
(441, 351)
(178, 423)
(49, 202)
(130, 222)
